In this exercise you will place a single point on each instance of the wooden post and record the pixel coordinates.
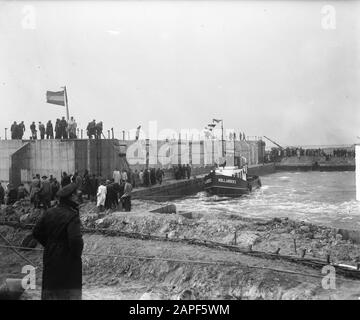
(235, 236)
(295, 246)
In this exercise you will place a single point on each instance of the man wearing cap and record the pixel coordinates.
(58, 230)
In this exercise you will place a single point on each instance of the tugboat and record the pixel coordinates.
(231, 181)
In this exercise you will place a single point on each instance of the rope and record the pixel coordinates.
(10, 245)
(205, 262)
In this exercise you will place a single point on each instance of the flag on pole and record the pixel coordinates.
(56, 97)
(216, 120)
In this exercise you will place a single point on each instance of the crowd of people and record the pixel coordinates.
(107, 193)
(277, 153)
(63, 129)
(182, 171)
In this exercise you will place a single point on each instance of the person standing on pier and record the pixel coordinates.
(91, 129)
(21, 129)
(159, 175)
(141, 177)
(98, 130)
(42, 130)
(188, 171)
(126, 197)
(33, 131)
(49, 130)
(2, 193)
(63, 128)
(58, 230)
(13, 130)
(57, 129)
(72, 128)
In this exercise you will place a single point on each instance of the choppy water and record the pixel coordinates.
(326, 198)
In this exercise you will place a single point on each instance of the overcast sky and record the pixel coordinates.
(266, 68)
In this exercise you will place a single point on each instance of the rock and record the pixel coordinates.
(186, 295)
(172, 234)
(261, 228)
(305, 229)
(281, 230)
(188, 215)
(170, 208)
(309, 235)
(150, 296)
(25, 219)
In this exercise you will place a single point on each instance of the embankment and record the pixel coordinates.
(162, 255)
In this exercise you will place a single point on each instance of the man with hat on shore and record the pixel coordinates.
(58, 230)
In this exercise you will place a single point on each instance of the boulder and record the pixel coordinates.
(168, 209)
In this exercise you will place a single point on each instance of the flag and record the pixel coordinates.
(56, 97)
(216, 120)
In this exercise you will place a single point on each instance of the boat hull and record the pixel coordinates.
(230, 186)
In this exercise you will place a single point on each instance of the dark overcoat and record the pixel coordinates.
(58, 230)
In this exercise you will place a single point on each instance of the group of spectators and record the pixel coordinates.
(182, 171)
(277, 153)
(94, 129)
(344, 153)
(63, 129)
(42, 191)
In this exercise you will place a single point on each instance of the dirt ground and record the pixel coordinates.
(119, 267)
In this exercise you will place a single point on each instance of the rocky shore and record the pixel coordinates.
(159, 255)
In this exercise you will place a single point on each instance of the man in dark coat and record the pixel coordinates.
(33, 131)
(2, 193)
(94, 184)
(21, 128)
(91, 129)
(21, 192)
(11, 194)
(98, 130)
(152, 176)
(57, 129)
(42, 130)
(63, 128)
(49, 130)
(86, 187)
(14, 130)
(55, 187)
(111, 200)
(159, 175)
(126, 197)
(58, 230)
(188, 171)
(45, 192)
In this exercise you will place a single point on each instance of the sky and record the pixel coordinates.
(289, 70)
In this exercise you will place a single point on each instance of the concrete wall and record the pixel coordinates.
(7, 148)
(45, 157)
(21, 160)
(165, 154)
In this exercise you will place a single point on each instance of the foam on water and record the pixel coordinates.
(325, 198)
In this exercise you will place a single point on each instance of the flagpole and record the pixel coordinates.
(222, 138)
(66, 104)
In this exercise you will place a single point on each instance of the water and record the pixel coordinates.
(326, 198)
